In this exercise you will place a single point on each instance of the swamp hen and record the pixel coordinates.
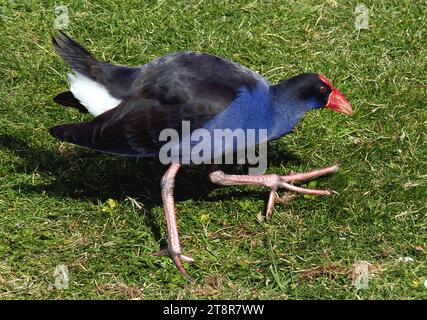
(133, 105)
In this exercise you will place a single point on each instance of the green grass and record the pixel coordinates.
(54, 197)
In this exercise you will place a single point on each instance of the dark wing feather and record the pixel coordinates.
(75, 55)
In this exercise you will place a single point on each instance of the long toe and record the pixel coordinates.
(177, 260)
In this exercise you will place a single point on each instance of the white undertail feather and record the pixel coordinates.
(91, 94)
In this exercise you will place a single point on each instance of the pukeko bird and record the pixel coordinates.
(132, 105)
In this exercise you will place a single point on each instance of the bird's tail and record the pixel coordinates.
(75, 55)
(96, 86)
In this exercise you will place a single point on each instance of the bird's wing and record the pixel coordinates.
(185, 86)
(189, 75)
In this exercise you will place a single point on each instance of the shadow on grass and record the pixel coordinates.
(84, 174)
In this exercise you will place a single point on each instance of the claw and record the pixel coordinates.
(270, 204)
(178, 263)
(186, 258)
(176, 258)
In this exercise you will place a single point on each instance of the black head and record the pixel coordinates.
(315, 91)
(309, 88)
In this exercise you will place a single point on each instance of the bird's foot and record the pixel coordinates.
(276, 182)
(177, 258)
(285, 182)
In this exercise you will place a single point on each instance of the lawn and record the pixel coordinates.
(101, 216)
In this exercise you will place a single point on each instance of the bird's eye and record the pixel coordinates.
(322, 89)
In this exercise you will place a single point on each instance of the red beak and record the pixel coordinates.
(336, 100)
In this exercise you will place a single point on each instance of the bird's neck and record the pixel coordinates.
(287, 110)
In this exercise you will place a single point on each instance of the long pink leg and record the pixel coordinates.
(174, 246)
(274, 182)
